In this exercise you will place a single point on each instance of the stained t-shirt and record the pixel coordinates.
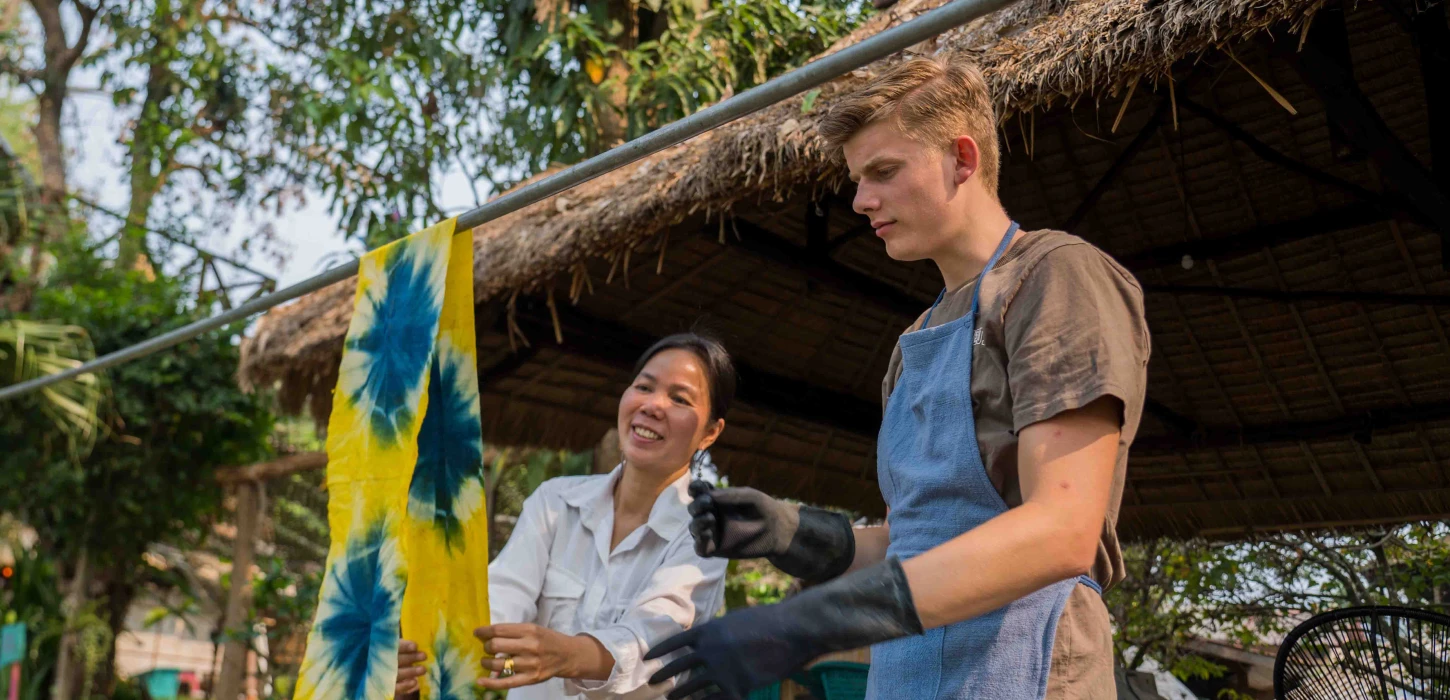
(1062, 325)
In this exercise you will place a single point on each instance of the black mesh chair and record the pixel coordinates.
(1369, 653)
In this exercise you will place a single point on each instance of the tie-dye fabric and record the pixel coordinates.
(405, 481)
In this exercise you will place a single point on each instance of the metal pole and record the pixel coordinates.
(951, 15)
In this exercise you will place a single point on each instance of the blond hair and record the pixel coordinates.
(932, 101)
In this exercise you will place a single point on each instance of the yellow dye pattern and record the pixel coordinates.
(405, 481)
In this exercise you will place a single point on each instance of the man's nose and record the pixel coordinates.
(864, 201)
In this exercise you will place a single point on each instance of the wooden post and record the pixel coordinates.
(235, 651)
(606, 454)
(66, 675)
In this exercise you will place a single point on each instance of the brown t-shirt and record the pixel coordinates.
(1062, 325)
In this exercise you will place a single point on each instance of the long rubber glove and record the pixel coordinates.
(754, 647)
(742, 523)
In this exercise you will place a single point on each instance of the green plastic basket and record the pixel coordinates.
(839, 680)
(769, 692)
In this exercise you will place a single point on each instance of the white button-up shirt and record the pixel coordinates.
(557, 571)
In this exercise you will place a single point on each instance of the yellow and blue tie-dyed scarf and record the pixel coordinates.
(404, 481)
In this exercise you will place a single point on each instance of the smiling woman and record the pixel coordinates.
(600, 568)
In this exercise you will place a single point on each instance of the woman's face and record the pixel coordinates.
(664, 415)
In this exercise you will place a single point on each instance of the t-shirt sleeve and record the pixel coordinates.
(1075, 332)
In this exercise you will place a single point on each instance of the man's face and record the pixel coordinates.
(909, 190)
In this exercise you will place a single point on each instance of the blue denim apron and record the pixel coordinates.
(936, 485)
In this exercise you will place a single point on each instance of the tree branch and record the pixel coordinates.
(9, 66)
(73, 54)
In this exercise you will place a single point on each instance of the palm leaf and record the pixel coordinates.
(34, 349)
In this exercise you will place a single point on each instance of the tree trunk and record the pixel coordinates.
(119, 596)
(47, 141)
(232, 678)
(148, 169)
(613, 118)
(66, 678)
(60, 57)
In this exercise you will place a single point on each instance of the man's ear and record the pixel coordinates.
(967, 156)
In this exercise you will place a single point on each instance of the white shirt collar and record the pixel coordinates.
(595, 500)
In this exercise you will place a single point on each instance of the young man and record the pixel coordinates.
(1009, 408)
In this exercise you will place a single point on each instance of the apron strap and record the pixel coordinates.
(1001, 248)
(926, 322)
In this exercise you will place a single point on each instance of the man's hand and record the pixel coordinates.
(410, 668)
(739, 523)
(538, 654)
(742, 523)
(754, 647)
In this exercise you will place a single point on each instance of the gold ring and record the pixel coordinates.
(508, 667)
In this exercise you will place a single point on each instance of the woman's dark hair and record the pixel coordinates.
(719, 370)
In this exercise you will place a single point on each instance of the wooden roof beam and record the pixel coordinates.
(1110, 176)
(1292, 296)
(1271, 155)
(1255, 239)
(1360, 426)
(1432, 38)
(769, 246)
(619, 346)
(1358, 120)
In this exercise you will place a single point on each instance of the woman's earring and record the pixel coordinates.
(697, 462)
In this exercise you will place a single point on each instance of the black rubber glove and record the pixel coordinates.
(742, 523)
(754, 647)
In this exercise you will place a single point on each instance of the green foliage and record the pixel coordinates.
(751, 582)
(190, 76)
(34, 349)
(373, 101)
(1247, 593)
(170, 420)
(33, 598)
(566, 70)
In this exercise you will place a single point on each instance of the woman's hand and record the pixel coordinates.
(539, 654)
(410, 668)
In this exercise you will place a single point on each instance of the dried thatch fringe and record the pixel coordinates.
(664, 243)
(1022, 127)
(1267, 87)
(513, 324)
(1124, 109)
(554, 314)
(613, 265)
(626, 266)
(1173, 99)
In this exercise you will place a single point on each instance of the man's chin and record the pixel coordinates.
(898, 251)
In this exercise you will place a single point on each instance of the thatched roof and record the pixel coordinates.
(1084, 88)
